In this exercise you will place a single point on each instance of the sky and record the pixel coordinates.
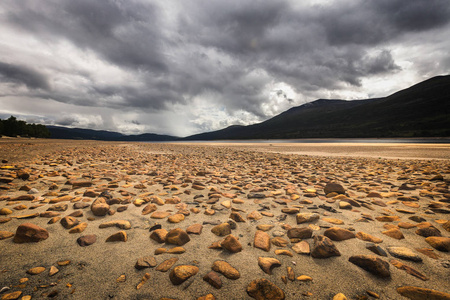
(183, 67)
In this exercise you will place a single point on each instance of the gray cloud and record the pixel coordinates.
(22, 75)
(219, 58)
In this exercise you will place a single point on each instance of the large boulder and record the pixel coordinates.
(30, 233)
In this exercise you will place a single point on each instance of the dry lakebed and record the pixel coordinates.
(116, 220)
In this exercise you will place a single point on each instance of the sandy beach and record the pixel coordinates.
(303, 212)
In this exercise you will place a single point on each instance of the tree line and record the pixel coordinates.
(13, 127)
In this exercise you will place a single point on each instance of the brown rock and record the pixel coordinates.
(30, 233)
(69, 222)
(279, 241)
(225, 269)
(180, 274)
(143, 280)
(120, 236)
(236, 217)
(36, 270)
(206, 297)
(446, 225)
(53, 270)
(177, 236)
(5, 211)
(301, 248)
(99, 207)
(254, 215)
(394, 233)
(439, 243)
(159, 235)
(265, 227)
(334, 188)
(324, 248)
(12, 296)
(262, 289)
(307, 217)
(428, 252)
(79, 228)
(231, 243)
(268, 263)
(87, 240)
(195, 229)
(368, 238)
(283, 252)
(300, 233)
(160, 215)
(338, 234)
(122, 224)
(418, 293)
(428, 231)
(387, 218)
(408, 269)
(145, 262)
(177, 218)
(262, 240)
(167, 264)
(371, 264)
(149, 208)
(221, 229)
(6, 234)
(213, 279)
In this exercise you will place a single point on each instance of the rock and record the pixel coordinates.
(307, 217)
(81, 183)
(49, 214)
(160, 215)
(368, 238)
(376, 249)
(236, 217)
(145, 262)
(339, 296)
(262, 240)
(221, 229)
(180, 274)
(268, 263)
(143, 280)
(36, 270)
(254, 215)
(224, 268)
(167, 264)
(265, 227)
(333, 221)
(207, 297)
(279, 242)
(290, 210)
(304, 278)
(6, 234)
(262, 289)
(69, 222)
(177, 250)
(284, 252)
(99, 207)
(177, 236)
(371, 264)
(418, 293)
(324, 248)
(87, 240)
(387, 218)
(159, 235)
(79, 228)
(408, 269)
(394, 233)
(417, 219)
(195, 229)
(213, 279)
(338, 234)
(120, 236)
(428, 231)
(345, 205)
(301, 248)
(404, 253)
(80, 205)
(12, 296)
(177, 218)
(300, 233)
(149, 208)
(446, 225)
(334, 188)
(53, 271)
(439, 243)
(122, 224)
(231, 244)
(5, 211)
(30, 233)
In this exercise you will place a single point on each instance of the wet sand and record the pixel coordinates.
(193, 179)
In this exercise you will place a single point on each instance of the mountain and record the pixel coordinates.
(59, 132)
(422, 110)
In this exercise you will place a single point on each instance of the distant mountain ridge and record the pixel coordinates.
(422, 110)
(60, 132)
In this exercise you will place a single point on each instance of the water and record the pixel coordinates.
(335, 141)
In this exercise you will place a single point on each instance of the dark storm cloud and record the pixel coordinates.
(228, 52)
(22, 75)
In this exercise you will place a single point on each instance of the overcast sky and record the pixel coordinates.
(184, 67)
